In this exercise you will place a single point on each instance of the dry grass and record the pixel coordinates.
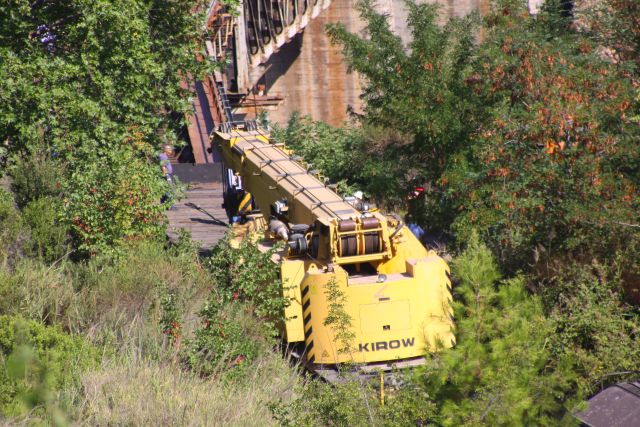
(140, 382)
(151, 394)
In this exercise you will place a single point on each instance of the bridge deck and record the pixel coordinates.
(208, 195)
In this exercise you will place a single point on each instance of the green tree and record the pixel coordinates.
(554, 170)
(528, 136)
(96, 85)
(503, 370)
(414, 91)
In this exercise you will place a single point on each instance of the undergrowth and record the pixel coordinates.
(146, 338)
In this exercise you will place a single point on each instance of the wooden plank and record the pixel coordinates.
(204, 231)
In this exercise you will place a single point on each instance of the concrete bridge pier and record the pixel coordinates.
(282, 60)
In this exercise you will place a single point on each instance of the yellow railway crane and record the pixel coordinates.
(397, 293)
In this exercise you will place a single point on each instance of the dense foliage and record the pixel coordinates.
(248, 275)
(92, 88)
(248, 286)
(503, 371)
(36, 360)
(527, 137)
(554, 170)
(416, 93)
(334, 151)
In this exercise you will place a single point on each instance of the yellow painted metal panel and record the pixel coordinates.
(293, 272)
(385, 316)
(415, 335)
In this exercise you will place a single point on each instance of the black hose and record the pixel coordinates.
(215, 220)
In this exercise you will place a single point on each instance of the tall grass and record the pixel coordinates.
(139, 392)
(122, 308)
(117, 305)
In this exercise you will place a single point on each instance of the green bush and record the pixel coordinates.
(12, 230)
(113, 197)
(248, 275)
(356, 402)
(336, 152)
(503, 370)
(241, 313)
(228, 341)
(351, 403)
(39, 364)
(35, 176)
(593, 324)
(48, 236)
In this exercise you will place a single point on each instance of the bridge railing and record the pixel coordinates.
(271, 23)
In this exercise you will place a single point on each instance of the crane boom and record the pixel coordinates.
(271, 166)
